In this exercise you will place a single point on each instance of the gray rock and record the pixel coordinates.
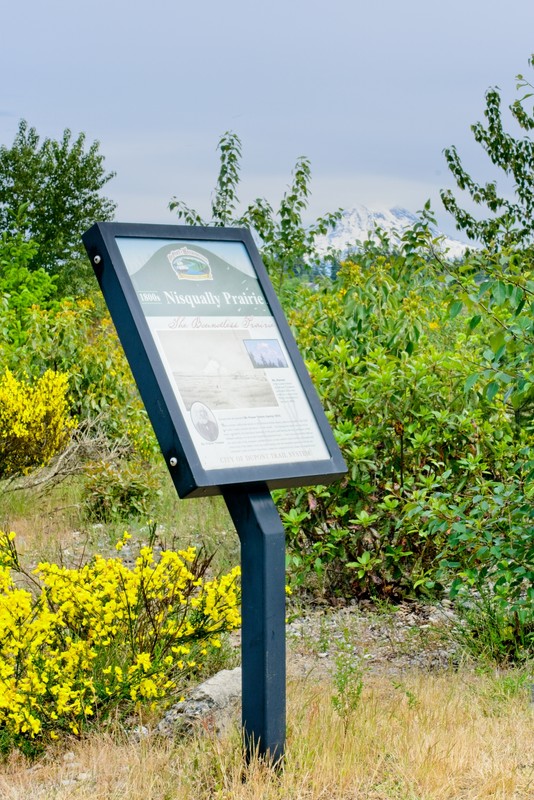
(211, 705)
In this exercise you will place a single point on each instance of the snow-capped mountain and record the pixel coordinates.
(360, 223)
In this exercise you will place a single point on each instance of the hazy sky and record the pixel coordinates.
(371, 92)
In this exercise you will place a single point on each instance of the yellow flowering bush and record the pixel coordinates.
(34, 421)
(85, 640)
(79, 338)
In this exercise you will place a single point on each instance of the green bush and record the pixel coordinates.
(487, 557)
(21, 287)
(391, 367)
(120, 489)
(495, 292)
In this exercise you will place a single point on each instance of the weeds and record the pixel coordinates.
(347, 680)
(488, 630)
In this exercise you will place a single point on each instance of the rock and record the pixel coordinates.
(139, 732)
(210, 705)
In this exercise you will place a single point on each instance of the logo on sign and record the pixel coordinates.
(189, 265)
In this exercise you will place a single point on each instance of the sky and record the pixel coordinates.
(370, 92)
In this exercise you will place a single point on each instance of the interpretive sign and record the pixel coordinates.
(224, 385)
(232, 406)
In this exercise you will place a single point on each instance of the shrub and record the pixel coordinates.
(495, 292)
(391, 368)
(23, 287)
(80, 340)
(487, 555)
(121, 489)
(34, 421)
(104, 635)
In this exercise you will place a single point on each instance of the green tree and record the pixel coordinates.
(21, 288)
(511, 220)
(59, 183)
(494, 286)
(288, 245)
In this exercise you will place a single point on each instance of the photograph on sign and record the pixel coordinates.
(223, 352)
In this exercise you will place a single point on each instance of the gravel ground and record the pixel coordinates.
(390, 641)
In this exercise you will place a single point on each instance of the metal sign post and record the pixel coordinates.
(263, 643)
(233, 408)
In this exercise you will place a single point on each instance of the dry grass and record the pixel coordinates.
(40, 522)
(456, 736)
(448, 737)
(55, 527)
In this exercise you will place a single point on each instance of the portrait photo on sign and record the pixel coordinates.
(204, 422)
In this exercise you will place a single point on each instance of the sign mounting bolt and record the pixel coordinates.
(97, 260)
(173, 461)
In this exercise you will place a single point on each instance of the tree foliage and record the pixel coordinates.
(493, 293)
(20, 287)
(511, 220)
(59, 184)
(288, 245)
(494, 286)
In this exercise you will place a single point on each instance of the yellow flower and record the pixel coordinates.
(59, 641)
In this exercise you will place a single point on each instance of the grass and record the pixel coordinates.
(459, 735)
(55, 527)
(446, 746)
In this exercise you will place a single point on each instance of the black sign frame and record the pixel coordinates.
(190, 477)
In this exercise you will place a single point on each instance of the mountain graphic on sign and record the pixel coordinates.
(186, 278)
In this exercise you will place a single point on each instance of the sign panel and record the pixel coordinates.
(207, 320)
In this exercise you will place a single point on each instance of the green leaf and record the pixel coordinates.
(470, 382)
(491, 390)
(497, 341)
(454, 308)
(499, 292)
